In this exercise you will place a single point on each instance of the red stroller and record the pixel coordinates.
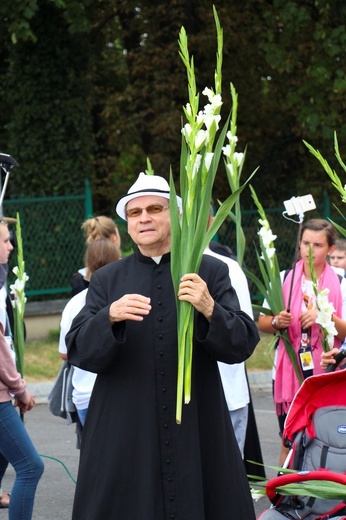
(315, 432)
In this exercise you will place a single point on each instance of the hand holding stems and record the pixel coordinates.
(283, 319)
(25, 403)
(308, 318)
(136, 306)
(194, 290)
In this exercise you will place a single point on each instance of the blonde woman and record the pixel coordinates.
(95, 228)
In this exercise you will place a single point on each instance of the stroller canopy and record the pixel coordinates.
(316, 392)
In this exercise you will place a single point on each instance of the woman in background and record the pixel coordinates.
(16, 446)
(95, 228)
(100, 252)
(300, 319)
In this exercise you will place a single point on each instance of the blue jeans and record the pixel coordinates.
(82, 415)
(18, 449)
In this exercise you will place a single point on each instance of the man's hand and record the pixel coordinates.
(129, 307)
(194, 290)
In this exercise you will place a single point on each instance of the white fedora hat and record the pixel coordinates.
(145, 185)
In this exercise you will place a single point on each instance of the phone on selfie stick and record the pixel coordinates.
(297, 206)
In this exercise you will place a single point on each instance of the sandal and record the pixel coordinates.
(5, 506)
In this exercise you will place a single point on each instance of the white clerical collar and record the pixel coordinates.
(157, 259)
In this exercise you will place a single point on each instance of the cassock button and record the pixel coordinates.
(168, 461)
(165, 425)
(162, 373)
(164, 407)
(171, 499)
(167, 443)
(163, 389)
(159, 286)
(161, 353)
(172, 517)
(160, 318)
(160, 336)
(159, 302)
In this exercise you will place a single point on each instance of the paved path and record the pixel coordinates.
(54, 438)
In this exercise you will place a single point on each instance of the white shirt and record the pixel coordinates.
(233, 377)
(82, 380)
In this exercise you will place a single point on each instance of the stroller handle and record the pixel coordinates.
(291, 478)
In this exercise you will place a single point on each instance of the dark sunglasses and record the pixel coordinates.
(153, 209)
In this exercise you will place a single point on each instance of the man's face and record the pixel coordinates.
(5, 244)
(150, 229)
(338, 258)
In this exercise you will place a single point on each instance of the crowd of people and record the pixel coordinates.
(119, 333)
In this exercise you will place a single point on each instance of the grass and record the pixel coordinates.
(263, 355)
(42, 359)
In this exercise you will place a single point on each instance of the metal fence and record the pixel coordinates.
(54, 243)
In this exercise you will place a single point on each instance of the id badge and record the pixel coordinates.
(306, 360)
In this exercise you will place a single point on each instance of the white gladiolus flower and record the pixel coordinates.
(264, 223)
(17, 287)
(227, 150)
(210, 119)
(208, 110)
(196, 165)
(239, 156)
(257, 493)
(200, 118)
(209, 93)
(267, 237)
(186, 130)
(231, 138)
(214, 99)
(188, 109)
(270, 252)
(217, 101)
(330, 340)
(232, 171)
(200, 138)
(325, 309)
(207, 160)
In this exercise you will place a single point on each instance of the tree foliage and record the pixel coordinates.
(91, 88)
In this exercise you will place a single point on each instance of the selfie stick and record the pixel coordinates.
(294, 264)
(300, 212)
(6, 163)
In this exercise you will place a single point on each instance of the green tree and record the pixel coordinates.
(93, 87)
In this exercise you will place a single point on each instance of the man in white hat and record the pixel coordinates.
(136, 462)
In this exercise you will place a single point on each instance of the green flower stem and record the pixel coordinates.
(270, 286)
(292, 355)
(19, 301)
(199, 160)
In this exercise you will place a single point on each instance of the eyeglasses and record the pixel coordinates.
(153, 209)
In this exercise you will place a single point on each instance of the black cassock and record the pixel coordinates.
(136, 462)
